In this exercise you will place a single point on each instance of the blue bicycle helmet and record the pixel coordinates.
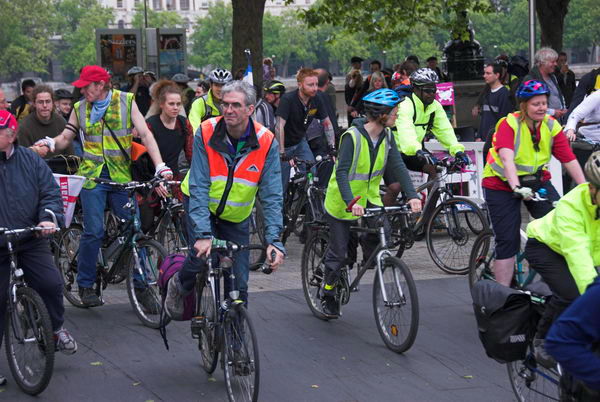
(381, 101)
(531, 88)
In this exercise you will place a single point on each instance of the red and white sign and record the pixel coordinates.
(70, 187)
(445, 93)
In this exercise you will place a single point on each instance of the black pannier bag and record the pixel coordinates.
(506, 320)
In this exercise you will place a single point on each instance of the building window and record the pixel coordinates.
(157, 4)
(121, 24)
(204, 4)
(170, 4)
(119, 3)
(184, 4)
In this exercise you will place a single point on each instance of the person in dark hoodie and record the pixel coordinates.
(358, 171)
(27, 191)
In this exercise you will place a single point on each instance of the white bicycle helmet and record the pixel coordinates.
(220, 76)
(592, 169)
(424, 76)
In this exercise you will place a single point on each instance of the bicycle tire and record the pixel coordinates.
(171, 234)
(481, 258)
(152, 253)
(451, 253)
(208, 344)
(312, 271)
(531, 382)
(241, 362)
(403, 295)
(44, 341)
(257, 236)
(65, 258)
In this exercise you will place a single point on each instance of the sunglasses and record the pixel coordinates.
(428, 90)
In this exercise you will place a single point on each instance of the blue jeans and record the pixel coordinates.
(224, 230)
(301, 151)
(93, 202)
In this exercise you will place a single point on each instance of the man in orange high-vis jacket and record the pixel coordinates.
(235, 159)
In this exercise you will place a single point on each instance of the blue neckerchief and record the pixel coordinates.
(99, 108)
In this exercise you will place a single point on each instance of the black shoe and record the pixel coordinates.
(89, 298)
(149, 302)
(331, 307)
(541, 355)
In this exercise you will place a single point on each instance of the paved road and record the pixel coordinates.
(302, 358)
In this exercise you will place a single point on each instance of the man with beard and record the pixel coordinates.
(296, 111)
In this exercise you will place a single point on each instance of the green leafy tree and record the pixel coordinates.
(156, 19)
(581, 25)
(84, 17)
(287, 38)
(25, 34)
(212, 38)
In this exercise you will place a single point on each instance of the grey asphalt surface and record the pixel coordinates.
(302, 358)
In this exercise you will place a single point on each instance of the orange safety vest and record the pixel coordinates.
(233, 188)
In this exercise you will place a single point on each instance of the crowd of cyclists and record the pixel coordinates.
(233, 144)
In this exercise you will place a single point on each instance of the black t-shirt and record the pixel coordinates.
(170, 142)
(142, 98)
(297, 116)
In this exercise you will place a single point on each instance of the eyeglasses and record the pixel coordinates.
(429, 90)
(234, 106)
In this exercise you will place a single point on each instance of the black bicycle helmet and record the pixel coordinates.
(274, 87)
(220, 76)
(63, 94)
(424, 76)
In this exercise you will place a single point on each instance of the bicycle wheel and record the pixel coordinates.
(449, 236)
(171, 233)
(257, 236)
(208, 338)
(397, 319)
(142, 281)
(65, 257)
(29, 342)
(481, 258)
(240, 356)
(312, 271)
(531, 382)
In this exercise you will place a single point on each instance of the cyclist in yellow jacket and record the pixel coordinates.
(563, 247)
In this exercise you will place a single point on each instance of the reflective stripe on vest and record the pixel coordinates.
(364, 182)
(524, 157)
(233, 188)
(99, 147)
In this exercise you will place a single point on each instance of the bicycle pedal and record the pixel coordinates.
(197, 325)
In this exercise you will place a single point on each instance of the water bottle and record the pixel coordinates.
(542, 192)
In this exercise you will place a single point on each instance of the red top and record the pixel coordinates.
(505, 138)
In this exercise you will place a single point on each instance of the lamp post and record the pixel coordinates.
(384, 58)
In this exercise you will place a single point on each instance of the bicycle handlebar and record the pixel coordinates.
(155, 181)
(10, 232)
(374, 211)
(231, 246)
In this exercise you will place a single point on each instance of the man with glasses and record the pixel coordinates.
(420, 115)
(235, 159)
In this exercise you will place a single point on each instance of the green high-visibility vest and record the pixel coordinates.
(527, 159)
(364, 181)
(99, 146)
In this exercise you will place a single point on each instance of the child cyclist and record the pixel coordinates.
(366, 151)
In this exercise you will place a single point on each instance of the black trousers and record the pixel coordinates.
(37, 262)
(342, 246)
(554, 270)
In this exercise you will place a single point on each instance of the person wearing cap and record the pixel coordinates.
(139, 86)
(28, 190)
(188, 93)
(43, 122)
(264, 112)
(106, 118)
(63, 103)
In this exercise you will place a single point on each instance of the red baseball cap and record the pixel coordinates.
(7, 120)
(91, 74)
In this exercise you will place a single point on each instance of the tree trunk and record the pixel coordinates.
(551, 15)
(248, 34)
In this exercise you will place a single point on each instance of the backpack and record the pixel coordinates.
(506, 320)
(172, 264)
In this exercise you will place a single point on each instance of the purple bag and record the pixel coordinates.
(170, 266)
